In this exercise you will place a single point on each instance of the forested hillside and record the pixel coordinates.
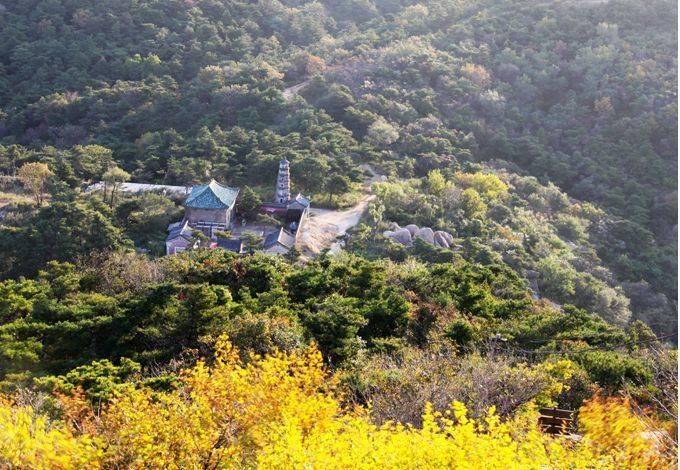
(107, 352)
(581, 96)
(542, 136)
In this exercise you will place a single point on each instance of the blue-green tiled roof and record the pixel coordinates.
(211, 196)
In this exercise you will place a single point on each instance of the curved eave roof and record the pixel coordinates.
(180, 230)
(211, 196)
(300, 199)
(280, 236)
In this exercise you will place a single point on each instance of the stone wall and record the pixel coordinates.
(217, 216)
(176, 245)
(301, 223)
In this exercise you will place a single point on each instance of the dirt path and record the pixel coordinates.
(324, 226)
(290, 92)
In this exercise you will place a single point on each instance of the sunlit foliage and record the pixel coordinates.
(285, 411)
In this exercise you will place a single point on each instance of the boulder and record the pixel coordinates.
(445, 235)
(394, 226)
(531, 274)
(403, 236)
(448, 237)
(440, 239)
(426, 234)
(388, 234)
(412, 228)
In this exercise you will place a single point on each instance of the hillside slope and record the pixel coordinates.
(502, 178)
(578, 95)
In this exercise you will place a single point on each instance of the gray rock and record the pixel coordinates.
(444, 235)
(531, 274)
(388, 234)
(394, 226)
(440, 239)
(448, 237)
(403, 236)
(412, 228)
(426, 234)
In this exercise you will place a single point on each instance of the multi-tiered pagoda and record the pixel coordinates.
(292, 209)
(282, 195)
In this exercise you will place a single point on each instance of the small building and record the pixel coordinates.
(210, 207)
(296, 212)
(180, 238)
(232, 244)
(278, 242)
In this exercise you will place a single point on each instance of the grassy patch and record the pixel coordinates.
(7, 198)
(343, 201)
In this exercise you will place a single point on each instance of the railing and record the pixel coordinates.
(209, 228)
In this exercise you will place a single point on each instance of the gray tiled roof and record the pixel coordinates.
(211, 196)
(180, 229)
(300, 199)
(231, 244)
(280, 236)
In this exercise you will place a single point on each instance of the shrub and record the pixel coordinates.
(283, 411)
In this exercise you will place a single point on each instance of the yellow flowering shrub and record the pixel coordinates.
(627, 441)
(223, 414)
(448, 440)
(284, 411)
(559, 371)
(28, 440)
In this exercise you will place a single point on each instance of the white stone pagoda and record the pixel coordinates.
(283, 183)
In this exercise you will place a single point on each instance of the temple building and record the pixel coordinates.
(211, 208)
(279, 242)
(208, 208)
(180, 238)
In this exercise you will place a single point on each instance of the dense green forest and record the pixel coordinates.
(578, 95)
(99, 324)
(541, 135)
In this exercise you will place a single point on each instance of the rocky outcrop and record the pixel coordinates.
(447, 236)
(403, 236)
(412, 228)
(425, 234)
(440, 239)
(406, 235)
(531, 274)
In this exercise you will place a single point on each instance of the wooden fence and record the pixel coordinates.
(556, 421)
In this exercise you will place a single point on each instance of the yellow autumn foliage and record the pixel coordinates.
(489, 186)
(28, 440)
(223, 415)
(626, 441)
(284, 411)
